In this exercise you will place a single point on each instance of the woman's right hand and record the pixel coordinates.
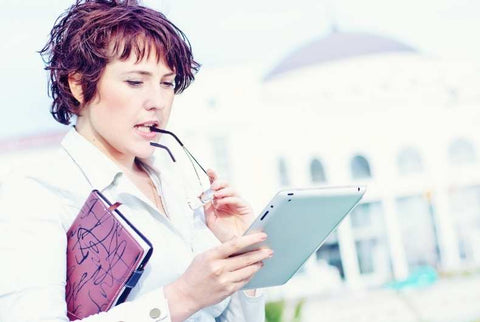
(214, 275)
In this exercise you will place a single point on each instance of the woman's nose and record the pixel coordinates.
(157, 99)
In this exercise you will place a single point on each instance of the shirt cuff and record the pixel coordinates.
(151, 307)
(157, 306)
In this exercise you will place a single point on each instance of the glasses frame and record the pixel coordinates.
(207, 194)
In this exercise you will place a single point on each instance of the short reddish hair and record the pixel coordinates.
(93, 32)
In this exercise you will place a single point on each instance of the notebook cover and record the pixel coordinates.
(102, 256)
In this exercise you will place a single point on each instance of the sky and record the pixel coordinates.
(231, 32)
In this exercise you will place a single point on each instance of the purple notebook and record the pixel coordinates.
(106, 256)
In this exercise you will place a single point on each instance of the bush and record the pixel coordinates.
(274, 311)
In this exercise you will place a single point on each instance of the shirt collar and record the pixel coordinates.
(99, 170)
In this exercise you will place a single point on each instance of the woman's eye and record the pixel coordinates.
(168, 84)
(134, 83)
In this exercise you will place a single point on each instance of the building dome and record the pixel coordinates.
(337, 46)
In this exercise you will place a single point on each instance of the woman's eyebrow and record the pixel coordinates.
(140, 72)
(147, 73)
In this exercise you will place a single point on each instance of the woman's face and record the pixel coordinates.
(130, 98)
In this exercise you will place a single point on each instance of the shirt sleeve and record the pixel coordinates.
(33, 251)
(244, 308)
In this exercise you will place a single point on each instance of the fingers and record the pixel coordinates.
(212, 175)
(238, 244)
(228, 197)
(215, 183)
(241, 261)
(243, 275)
(224, 192)
(218, 184)
(230, 201)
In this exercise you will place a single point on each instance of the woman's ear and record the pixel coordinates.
(74, 82)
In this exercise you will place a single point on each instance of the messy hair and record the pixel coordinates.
(92, 33)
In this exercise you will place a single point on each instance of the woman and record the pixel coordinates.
(115, 67)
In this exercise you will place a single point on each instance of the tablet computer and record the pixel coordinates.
(297, 222)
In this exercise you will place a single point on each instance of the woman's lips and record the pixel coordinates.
(145, 132)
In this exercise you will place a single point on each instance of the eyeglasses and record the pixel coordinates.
(207, 194)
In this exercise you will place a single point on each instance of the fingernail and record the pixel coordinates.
(270, 254)
(263, 236)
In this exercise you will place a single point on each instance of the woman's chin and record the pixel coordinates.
(145, 153)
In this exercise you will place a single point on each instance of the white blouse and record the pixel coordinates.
(38, 206)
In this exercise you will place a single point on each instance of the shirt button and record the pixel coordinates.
(155, 313)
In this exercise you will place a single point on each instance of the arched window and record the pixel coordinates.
(461, 151)
(360, 168)
(283, 176)
(317, 173)
(409, 161)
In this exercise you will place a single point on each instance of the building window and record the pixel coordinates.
(361, 216)
(461, 152)
(283, 176)
(366, 249)
(409, 161)
(360, 168)
(465, 205)
(368, 230)
(317, 173)
(330, 253)
(419, 235)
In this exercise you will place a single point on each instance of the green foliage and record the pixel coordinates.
(297, 316)
(275, 311)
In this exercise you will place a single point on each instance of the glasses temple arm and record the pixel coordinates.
(165, 148)
(191, 156)
(156, 129)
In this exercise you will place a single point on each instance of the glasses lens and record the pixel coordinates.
(200, 200)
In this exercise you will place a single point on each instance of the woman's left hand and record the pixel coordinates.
(227, 215)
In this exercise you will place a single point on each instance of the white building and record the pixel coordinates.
(348, 108)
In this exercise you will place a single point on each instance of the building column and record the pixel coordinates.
(447, 237)
(395, 243)
(348, 253)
